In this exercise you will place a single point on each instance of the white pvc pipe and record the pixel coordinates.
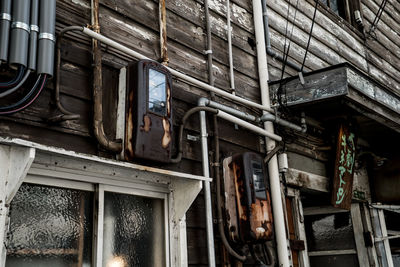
(277, 206)
(177, 74)
(207, 190)
(249, 126)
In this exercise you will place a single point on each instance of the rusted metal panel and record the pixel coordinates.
(344, 167)
(252, 197)
(149, 113)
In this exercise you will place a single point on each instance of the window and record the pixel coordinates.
(157, 92)
(52, 226)
(349, 10)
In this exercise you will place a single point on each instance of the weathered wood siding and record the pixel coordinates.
(135, 24)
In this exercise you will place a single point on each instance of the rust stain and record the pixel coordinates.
(166, 139)
(168, 101)
(146, 124)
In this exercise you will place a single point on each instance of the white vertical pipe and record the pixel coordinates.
(277, 206)
(207, 190)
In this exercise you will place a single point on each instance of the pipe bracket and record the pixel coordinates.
(5, 16)
(21, 25)
(206, 52)
(34, 28)
(48, 36)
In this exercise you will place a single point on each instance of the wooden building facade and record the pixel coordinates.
(343, 49)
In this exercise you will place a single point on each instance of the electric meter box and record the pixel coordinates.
(148, 132)
(247, 199)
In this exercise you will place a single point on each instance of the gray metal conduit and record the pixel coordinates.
(47, 38)
(33, 39)
(5, 23)
(207, 191)
(266, 117)
(270, 51)
(98, 127)
(20, 31)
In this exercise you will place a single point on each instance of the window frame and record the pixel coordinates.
(350, 24)
(100, 189)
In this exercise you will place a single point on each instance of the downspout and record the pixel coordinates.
(276, 197)
(207, 190)
(98, 127)
(270, 51)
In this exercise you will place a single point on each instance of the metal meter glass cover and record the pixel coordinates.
(148, 113)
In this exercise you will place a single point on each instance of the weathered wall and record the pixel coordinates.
(135, 24)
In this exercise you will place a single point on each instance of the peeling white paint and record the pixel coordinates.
(145, 35)
(81, 3)
(70, 67)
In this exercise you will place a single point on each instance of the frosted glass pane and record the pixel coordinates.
(133, 231)
(50, 227)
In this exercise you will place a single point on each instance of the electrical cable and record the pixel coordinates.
(310, 35)
(12, 90)
(286, 53)
(377, 17)
(15, 80)
(21, 104)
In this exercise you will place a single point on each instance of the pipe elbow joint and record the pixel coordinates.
(268, 117)
(202, 102)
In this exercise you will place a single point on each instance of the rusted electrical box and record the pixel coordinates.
(247, 199)
(148, 112)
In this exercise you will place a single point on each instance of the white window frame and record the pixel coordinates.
(24, 161)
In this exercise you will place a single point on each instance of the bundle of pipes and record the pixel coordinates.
(26, 46)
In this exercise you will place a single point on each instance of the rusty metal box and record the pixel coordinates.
(148, 132)
(247, 199)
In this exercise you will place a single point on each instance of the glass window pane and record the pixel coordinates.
(329, 232)
(50, 227)
(133, 231)
(334, 261)
(157, 92)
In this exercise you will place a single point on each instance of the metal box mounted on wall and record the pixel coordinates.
(148, 113)
(247, 199)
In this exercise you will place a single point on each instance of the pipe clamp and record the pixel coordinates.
(206, 52)
(21, 25)
(34, 28)
(5, 16)
(46, 35)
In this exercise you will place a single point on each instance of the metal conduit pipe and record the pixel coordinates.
(233, 111)
(229, 29)
(175, 73)
(265, 117)
(47, 37)
(67, 115)
(5, 23)
(20, 31)
(208, 52)
(33, 39)
(285, 123)
(270, 51)
(98, 127)
(273, 170)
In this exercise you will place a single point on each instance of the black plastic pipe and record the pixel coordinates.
(33, 40)
(20, 31)
(5, 23)
(47, 37)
